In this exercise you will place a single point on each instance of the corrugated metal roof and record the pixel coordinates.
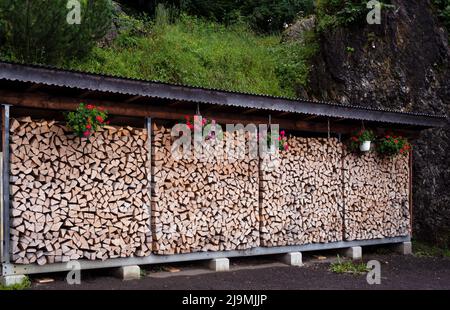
(156, 89)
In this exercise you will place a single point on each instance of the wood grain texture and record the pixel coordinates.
(76, 200)
(376, 196)
(203, 205)
(301, 199)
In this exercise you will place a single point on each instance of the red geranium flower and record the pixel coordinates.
(86, 133)
(88, 126)
(396, 141)
(90, 107)
(99, 118)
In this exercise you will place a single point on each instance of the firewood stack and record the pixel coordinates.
(203, 205)
(301, 200)
(377, 196)
(76, 200)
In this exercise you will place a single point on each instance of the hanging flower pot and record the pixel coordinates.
(362, 140)
(86, 120)
(391, 145)
(365, 146)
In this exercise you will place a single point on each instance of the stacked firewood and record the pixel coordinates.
(376, 196)
(72, 199)
(203, 204)
(301, 197)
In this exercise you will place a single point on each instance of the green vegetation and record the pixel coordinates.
(38, 32)
(422, 249)
(26, 283)
(443, 10)
(198, 52)
(334, 13)
(350, 49)
(348, 267)
(264, 16)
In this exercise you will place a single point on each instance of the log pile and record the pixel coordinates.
(76, 200)
(208, 204)
(376, 196)
(301, 199)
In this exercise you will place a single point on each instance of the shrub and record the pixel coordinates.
(333, 13)
(37, 31)
(201, 53)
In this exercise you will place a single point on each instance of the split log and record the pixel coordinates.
(301, 193)
(206, 204)
(70, 198)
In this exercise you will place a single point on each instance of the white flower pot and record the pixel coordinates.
(365, 146)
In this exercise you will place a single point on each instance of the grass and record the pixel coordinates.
(422, 249)
(201, 53)
(26, 283)
(348, 267)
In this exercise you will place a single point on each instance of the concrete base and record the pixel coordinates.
(354, 252)
(219, 264)
(11, 280)
(404, 248)
(128, 273)
(292, 259)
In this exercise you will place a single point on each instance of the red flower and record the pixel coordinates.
(88, 126)
(286, 147)
(186, 117)
(396, 141)
(190, 126)
(99, 118)
(355, 139)
(86, 133)
(90, 107)
(282, 133)
(388, 136)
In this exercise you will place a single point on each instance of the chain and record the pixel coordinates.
(328, 128)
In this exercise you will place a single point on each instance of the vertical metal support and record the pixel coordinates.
(410, 193)
(150, 173)
(343, 156)
(5, 186)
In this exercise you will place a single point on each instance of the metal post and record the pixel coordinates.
(410, 189)
(149, 176)
(5, 185)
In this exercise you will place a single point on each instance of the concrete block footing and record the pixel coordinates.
(354, 252)
(219, 264)
(128, 273)
(11, 280)
(292, 259)
(404, 248)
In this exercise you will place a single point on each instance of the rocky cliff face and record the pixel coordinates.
(402, 64)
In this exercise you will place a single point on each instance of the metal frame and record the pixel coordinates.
(150, 174)
(5, 236)
(11, 269)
